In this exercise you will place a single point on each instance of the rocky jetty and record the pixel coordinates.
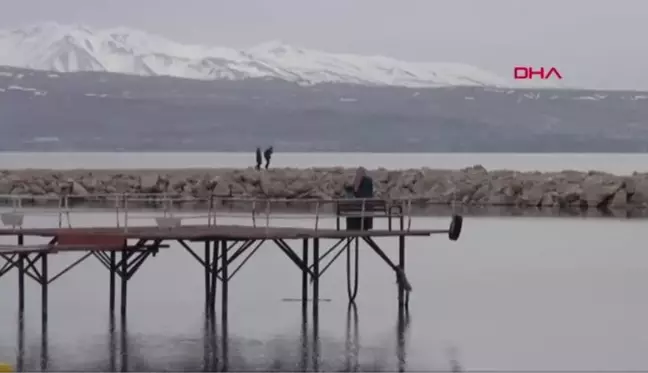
(470, 186)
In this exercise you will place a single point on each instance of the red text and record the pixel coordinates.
(528, 72)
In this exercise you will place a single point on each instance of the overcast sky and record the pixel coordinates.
(593, 43)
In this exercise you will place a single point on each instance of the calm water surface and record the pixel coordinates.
(511, 294)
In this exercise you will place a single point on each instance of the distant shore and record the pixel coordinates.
(473, 186)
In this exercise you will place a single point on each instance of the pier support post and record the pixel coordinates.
(124, 345)
(214, 277)
(44, 306)
(303, 353)
(402, 303)
(21, 307)
(304, 289)
(224, 306)
(123, 301)
(112, 342)
(208, 272)
(21, 280)
(210, 353)
(112, 269)
(20, 358)
(316, 347)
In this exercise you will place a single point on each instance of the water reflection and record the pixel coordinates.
(20, 350)
(352, 338)
(401, 333)
(131, 352)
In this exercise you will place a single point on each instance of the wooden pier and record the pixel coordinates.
(225, 250)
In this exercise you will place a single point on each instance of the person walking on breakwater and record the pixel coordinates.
(259, 160)
(267, 154)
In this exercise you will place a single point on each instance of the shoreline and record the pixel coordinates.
(471, 186)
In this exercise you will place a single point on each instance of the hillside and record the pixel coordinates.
(98, 111)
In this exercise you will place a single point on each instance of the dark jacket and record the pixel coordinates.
(267, 154)
(366, 189)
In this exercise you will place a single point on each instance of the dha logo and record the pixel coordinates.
(529, 73)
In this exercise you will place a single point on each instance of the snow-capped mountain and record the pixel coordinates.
(71, 48)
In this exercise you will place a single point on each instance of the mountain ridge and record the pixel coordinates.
(54, 47)
(98, 111)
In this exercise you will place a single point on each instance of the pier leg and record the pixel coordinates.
(21, 280)
(112, 343)
(44, 306)
(316, 304)
(124, 345)
(224, 305)
(305, 278)
(210, 358)
(303, 348)
(124, 284)
(401, 265)
(304, 321)
(212, 306)
(208, 293)
(213, 345)
(206, 343)
(112, 270)
(20, 358)
(123, 307)
(214, 277)
(21, 308)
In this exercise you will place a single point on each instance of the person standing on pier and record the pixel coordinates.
(363, 184)
(363, 188)
(267, 154)
(259, 160)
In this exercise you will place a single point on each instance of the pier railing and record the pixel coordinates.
(171, 210)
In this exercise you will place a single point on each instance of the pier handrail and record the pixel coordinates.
(123, 203)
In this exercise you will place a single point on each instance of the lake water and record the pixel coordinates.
(512, 294)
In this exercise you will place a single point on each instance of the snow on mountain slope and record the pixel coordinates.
(70, 48)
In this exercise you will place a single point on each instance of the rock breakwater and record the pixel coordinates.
(469, 186)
